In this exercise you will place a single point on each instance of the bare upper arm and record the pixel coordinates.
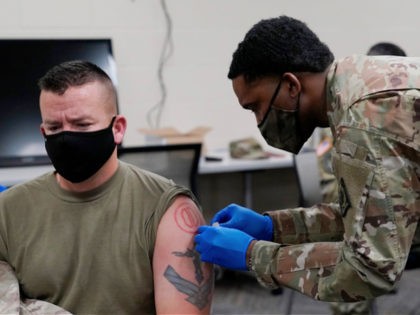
(183, 284)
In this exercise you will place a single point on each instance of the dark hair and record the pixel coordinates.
(386, 48)
(277, 45)
(72, 73)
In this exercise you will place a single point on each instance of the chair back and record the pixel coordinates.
(178, 162)
(307, 173)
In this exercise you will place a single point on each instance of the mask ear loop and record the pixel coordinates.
(273, 98)
(297, 117)
(276, 91)
(112, 121)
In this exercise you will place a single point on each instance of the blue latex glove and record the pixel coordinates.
(244, 219)
(223, 246)
(2, 188)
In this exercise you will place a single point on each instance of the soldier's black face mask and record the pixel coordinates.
(78, 155)
(280, 127)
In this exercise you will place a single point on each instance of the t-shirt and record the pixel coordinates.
(87, 252)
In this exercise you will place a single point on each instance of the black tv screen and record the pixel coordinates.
(22, 63)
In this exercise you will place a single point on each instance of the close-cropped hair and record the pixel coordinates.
(278, 45)
(386, 48)
(72, 73)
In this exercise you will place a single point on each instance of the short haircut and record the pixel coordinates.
(386, 48)
(278, 45)
(73, 73)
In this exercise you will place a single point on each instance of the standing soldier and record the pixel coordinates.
(329, 185)
(354, 250)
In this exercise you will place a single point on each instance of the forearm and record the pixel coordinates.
(324, 271)
(320, 223)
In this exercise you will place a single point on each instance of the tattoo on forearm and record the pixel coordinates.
(198, 294)
(187, 219)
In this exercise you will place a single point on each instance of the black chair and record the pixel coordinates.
(178, 162)
(309, 187)
(308, 177)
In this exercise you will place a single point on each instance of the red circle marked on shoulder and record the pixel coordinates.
(186, 218)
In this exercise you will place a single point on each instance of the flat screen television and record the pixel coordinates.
(22, 63)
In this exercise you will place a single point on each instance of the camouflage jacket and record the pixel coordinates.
(11, 301)
(356, 249)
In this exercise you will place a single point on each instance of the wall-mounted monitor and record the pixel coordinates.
(22, 63)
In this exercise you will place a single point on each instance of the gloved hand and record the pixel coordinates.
(223, 246)
(246, 220)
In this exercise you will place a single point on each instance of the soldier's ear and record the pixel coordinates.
(292, 83)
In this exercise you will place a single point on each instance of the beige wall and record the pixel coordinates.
(205, 33)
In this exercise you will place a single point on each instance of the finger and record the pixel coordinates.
(199, 248)
(201, 229)
(222, 217)
(204, 257)
(217, 217)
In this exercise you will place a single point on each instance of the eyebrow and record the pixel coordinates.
(49, 122)
(73, 121)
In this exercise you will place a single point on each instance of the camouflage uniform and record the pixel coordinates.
(12, 303)
(329, 187)
(356, 249)
(329, 190)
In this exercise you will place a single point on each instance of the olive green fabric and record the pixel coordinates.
(90, 253)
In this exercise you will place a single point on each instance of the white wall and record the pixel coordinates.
(205, 34)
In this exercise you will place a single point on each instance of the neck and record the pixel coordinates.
(313, 99)
(323, 113)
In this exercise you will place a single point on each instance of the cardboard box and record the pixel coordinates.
(171, 135)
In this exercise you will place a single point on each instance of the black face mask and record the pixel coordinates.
(78, 155)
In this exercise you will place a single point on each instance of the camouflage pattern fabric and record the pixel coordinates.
(247, 149)
(329, 190)
(356, 249)
(328, 182)
(12, 304)
(351, 308)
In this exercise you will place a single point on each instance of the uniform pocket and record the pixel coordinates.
(354, 179)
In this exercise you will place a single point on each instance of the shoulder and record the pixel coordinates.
(156, 193)
(135, 177)
(131, 170)
(21, 190)
(185, 212)
(152, 183)
(372, 74)
(176, 264)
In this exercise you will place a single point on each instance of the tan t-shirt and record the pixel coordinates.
(86, 252)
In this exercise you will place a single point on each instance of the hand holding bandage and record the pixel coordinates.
(244, 219)
(223, 246)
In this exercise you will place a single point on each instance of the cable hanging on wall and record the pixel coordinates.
(155, 113)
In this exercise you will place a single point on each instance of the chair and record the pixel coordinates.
(308, 180)
(178, 162)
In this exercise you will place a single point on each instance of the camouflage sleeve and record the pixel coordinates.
(10, 299)
(320, 223)
(379, 192)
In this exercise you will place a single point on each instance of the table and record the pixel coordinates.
(14, 175)
(10, 176)
(228, 164)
